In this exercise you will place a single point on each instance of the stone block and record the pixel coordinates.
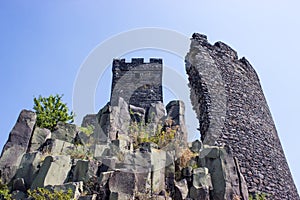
(122, 182)
(199, 193)
(201, 178)
(29, 167)
(65, 132)
(210, 152)
(158, 163)
(19, 184)
(196, 146)
(89, 120)
(39, 136)
(54, 171)
(175, 111)
(181, 190)
(84, 170)
(57, 147)
(101, 150)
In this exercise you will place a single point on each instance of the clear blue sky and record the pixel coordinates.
(44, 43)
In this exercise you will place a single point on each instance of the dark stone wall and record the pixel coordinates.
(137, 82)
(228, 99)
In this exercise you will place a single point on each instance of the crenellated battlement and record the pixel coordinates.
(137, 64)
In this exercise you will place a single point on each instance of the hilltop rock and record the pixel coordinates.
(16, 145)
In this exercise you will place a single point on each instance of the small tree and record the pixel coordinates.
(51, 110)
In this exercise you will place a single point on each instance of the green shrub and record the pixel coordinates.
(80, 152)
(45, 194)
(50, 110)
(260, 196)
(141, 133)
(87, 130)
(4, 192)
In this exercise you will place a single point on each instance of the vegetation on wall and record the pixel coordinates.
(260, 196)
(4, 191)
(51, 110)
(45, 194)
(142, 133)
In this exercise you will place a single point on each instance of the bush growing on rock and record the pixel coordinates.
(45, 194)
(51, 110)
(4, 191)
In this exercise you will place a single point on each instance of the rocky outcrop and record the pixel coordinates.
(17, 145)
(115, 169)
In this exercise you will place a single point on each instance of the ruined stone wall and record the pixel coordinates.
(137, 82)
(228, 99)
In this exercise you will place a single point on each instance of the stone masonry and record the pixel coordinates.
(230, 105)
(137, 82)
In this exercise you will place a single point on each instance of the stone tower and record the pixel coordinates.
(137, 82)
(232, 110)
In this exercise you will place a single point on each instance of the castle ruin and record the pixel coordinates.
(136, 148)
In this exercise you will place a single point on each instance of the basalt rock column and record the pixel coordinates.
(230, 105)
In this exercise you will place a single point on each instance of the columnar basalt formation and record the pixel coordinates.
(230, 105)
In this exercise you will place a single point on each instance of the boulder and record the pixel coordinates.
(210, 152)
(89, 120)
(181, 189)
(158, 163)
(112, 120)
(199, 193)
(227, 181)
(102, 127)
(84, 170)
(54, 171)
(175, 111)
(101, 150)
(16, 144)
(156, 112)
(201, 178)
(29, 168)
(56, 147)
(64, 131)
(38, 138)
(196, 146)
(19, 184)
(122, 185)
(155, 116)
(201, 185)
(119, 119)
(104, 177)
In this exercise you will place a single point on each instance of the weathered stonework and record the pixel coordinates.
(137, 82)
(231, 108)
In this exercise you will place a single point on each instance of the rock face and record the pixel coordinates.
(232, 110)
(17, 144)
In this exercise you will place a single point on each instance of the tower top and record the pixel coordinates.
(139, 83)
